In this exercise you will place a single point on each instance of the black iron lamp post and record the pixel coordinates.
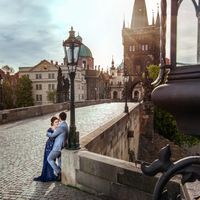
(72, 49)
(95, 93)
(179, 95)
(126, 79)
(1, 92)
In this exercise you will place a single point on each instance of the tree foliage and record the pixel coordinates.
(8, 95)
(153, 71)
(51, 96)
(165, 123)
(24, 92)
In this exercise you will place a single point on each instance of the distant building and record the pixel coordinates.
(117, 82)
(97, 84)
(44, 79)
(141, 43)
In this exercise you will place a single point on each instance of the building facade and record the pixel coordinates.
(44, 79)
(89, 83)
(141, 43)
(117, 81)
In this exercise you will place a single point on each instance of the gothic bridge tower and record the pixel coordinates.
(141, 44)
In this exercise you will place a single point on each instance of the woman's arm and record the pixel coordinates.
(56, 132)
(50, 132)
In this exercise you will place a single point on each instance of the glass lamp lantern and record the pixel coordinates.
(72, 48)
(180, 94)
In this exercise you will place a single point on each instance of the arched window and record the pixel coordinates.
(115, 95)
(143, 47)
(136, 95)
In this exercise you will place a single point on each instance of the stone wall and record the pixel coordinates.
(33, 111)
(101, 165)
(108, 177)
(118, 138)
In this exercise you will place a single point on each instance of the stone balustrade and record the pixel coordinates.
(16, 114)
(101, 165)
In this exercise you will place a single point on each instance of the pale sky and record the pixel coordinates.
(31, 31)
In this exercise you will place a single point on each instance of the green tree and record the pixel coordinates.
(8, 95)
(24, 92)
(165, 123)
(51, 96)
(153, 71)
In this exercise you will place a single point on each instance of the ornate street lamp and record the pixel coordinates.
(126, 79)
(72, 49)
(1, 92)
(95, 93)
(180, 96)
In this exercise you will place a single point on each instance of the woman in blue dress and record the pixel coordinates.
(47, 171)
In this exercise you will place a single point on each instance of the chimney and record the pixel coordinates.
(51, 61)
(56, 62)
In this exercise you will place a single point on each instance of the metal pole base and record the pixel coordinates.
(73, 140)
(126, 110)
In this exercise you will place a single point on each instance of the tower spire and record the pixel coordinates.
(153, 21)
(124, 25)
(113, 64)
(158, 17)
(139, 15)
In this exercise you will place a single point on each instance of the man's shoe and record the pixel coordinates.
(58, 178)
(37, 179)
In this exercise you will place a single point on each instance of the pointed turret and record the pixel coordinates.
(153, 21)
(158, 18)
(113, 64)
(139, 15)
(124, 25)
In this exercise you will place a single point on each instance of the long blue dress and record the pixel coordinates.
(47, 171)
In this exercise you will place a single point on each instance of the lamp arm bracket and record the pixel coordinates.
(188, 167)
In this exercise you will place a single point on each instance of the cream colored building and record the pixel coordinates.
(116, 81)
(44, 79)
(79, 82)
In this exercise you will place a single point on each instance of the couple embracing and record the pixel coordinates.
(57, 135)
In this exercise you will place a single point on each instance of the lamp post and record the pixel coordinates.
(72, 49)
(126, 78)
(95, 93)
(179, 95)
(1, 92)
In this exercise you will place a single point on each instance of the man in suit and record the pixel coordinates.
(60, 135)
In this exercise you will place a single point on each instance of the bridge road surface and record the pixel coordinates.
(21, 154)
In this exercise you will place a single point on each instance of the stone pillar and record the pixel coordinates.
(70, 163)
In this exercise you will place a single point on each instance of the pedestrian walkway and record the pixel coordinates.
(21, 156)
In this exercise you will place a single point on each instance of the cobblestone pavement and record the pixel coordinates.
(21, 156)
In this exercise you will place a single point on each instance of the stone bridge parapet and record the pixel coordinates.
(101, 165)
(16, 114)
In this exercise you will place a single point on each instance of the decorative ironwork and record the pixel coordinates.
(188, 167)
